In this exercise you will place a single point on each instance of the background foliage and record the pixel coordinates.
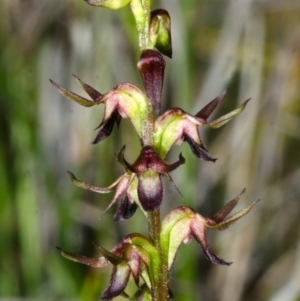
(250, 46)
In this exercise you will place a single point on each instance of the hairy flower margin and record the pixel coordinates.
(150, 260)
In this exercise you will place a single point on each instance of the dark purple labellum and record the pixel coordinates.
(107, 127)
(150, 190)
(198, 150)
(152, 68)
(125, 210)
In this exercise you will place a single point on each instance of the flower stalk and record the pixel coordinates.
(150, 259)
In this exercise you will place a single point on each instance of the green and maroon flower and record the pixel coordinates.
(176, 126)
(124, 101)
(135, 256)
(126, 194)
(183, 223)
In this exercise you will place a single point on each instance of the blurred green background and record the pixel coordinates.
(250, 46)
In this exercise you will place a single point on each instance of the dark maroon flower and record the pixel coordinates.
(149, 167)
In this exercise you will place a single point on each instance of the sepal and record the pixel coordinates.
(205, 112)
(125, 186)
(75, 97)
(92, 262)
(111, 4)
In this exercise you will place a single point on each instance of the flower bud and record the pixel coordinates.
(152, 68)
(160, 31)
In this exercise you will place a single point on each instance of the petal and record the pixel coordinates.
(134, 262)
(198, 229)
(92, 262)
(149, 256)
(133, 194)
(163, 167)
(150, 190)
(126, 209)
(232, 219)
(94, 94)
(73, 96)
(111, 257)
(151, 68)
(221, 214)
(118, 281)
(112, 4)
(211, 106)
(121, 189)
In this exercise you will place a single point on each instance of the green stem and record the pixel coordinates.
(141, 12)
(160, 286)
